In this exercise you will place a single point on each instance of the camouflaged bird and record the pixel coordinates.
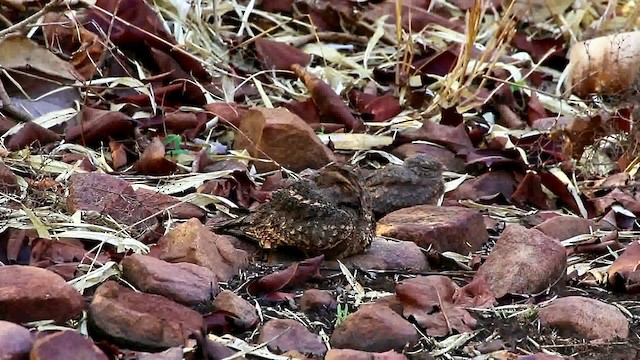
(325, 212)
(417, 182)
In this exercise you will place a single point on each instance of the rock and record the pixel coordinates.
(185, 283)
(347, 354)
(314, 299)
(140, 321)
(374, 328)
(541, 356)
(192, 242)
(452, 228)
(387, 254)
(166, 204)
(446, 157)
(565, 227)
(392, 302)
(285, 335)
(524, 261)
(174, 353)
(66, 345)
(274, 133)
(585, 318)
(109, 195)
(229, 302)
(15, 341)
(29, 293)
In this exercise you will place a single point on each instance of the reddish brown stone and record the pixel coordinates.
(524, 261)
(185, 283)
(229, 302)
(274, 133)
(347, 354)
(454, 229)
(15, 341)
(284, 335)
(109, 195)
(565, 227)
(164, 205)
(386, 254)
(140, 321)
(174, 353)
(374, 328)
(192, 242)
(585, 318)
(66, 345)
(314, 299)
(29, 293)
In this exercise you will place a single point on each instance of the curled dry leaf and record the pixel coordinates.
(153, 162)
(623, 274)
(278, 55)
(118, 154)
(429, 300)
(31, 134)
(99, 125)
(328, 102)
(297, 273)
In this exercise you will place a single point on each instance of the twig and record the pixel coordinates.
(444, 313)
(328, 36)
(10, 109)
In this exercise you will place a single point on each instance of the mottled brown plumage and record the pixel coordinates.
(418, 181)
(326, 212)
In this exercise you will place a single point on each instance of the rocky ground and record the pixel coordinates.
(497, 213)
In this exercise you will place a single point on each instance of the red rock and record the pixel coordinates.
(66, 345)
(374, 328)
(384, 254)
(192, 242)
(109, 195)
(523, 262)
(444, 156)
(453, 228)
(283, 137)
(347, 354)
(585, 318)
(231, 303)
(284, 335)
(184, 283)
(314, 299)
(138, 320)
(29, 293)
(167, 204)
(565, 227)
(15, 341)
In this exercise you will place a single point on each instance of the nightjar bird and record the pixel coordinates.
(324, 212)
(417, 182)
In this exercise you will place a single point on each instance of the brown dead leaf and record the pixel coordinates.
(328, 102)
(373, 107)
(153, 162)
(71, 38)
(99, 125)
(19, 52)
(279, 55)
(118, 154)
(623, 273)
(529, 191)
(429, 300)
(296, 274)
(31, 134)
